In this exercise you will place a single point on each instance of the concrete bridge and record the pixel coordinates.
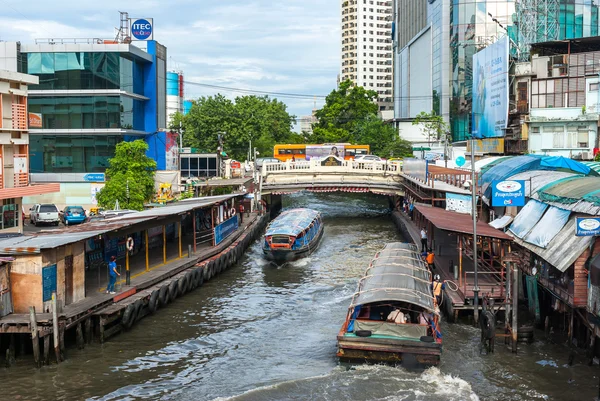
(331, 175)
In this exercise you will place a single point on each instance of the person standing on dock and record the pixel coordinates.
(241, 213)
(113, 273)
(423, 240)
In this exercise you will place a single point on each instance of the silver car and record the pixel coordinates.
(44, 213)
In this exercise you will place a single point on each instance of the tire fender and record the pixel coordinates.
(191, 279)
(173, 290)
(205, 272)
(182, 285)
(199, 278)
(127, 318)
(163, 296)
(211, 264)
(153, 301)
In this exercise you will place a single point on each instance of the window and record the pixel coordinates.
(594, 87)
(558, 140)
(535, 129)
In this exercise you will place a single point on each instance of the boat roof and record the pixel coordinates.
(292, 222)
(397, 273)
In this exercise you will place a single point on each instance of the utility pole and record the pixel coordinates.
(474, 213)
(180, 146)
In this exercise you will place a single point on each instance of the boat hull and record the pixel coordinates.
(403, 352)
(283, 255)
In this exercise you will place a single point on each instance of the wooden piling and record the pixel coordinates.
(515, 307)
(88, 330)
(61, 341)
(55, 329)
(507, 298)
(47, 349)
(101, 329)
(10, 351)
(79, 337)
(35, 339)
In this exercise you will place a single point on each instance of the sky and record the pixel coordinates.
(287, 46)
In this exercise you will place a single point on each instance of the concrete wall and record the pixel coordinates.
(71, 194)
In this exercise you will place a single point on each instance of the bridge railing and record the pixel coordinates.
(347, 166)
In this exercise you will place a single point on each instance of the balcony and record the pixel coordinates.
(19, 117)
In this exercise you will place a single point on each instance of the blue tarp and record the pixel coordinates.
(546, 229)
(519, 164)
(292, 222)
(527, 218)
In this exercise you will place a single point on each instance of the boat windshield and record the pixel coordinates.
(279, 239)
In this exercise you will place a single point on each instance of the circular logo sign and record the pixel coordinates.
(508, 186)
(589, 224)
(141, 29)
(460, 161)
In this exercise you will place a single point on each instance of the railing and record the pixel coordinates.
(346, 166)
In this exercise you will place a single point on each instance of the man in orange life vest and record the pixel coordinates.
(437, 287)
(429, 259)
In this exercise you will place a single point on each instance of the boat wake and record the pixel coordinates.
(385, 383)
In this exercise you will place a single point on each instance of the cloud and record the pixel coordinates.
(289, 46)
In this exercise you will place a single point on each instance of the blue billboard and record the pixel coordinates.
(490, 90)
(508, 193)
(225, 229)
(587, 226)
(141, 28)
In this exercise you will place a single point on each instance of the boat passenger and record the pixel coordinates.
(396, 316)
(424, 318)
(437, 288)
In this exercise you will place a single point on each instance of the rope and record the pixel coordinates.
(448, 282)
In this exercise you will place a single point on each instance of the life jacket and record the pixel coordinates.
(437, 288)
(430, 258)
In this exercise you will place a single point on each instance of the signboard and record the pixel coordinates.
(48, 282)
(141, 28)
(416, 168)
(587, 226)
(490, 90)
(94, 177)
(20, 165)
(225, 229)
(488, 146)
(331, 161)
(322, 151)
(508, 193)
(35, 120)
(459, 203)
(172, 151)
(236, 165)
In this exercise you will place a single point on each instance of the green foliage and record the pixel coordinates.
(432, 125)
(597, 158)
(262, 120)
(130, 177)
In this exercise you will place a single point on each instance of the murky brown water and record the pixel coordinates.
(258, 332)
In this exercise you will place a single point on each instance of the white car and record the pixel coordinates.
(44, 213)
(367, 158)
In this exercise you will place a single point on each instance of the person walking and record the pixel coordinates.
(113, 273)
(423, 240)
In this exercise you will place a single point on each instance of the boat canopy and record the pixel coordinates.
(397, 273)
(292, 222)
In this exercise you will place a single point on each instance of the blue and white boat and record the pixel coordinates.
(294, 234)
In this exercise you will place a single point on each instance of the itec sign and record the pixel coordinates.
(141, 28)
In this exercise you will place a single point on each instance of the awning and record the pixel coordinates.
(458, 222)
(501, 222)
(30, 190)
(527, 218)
(553, 221)
(564, 248)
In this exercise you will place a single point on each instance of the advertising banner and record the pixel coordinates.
(35, 120)
(508, 193)
(416, 168)
(322, 151)
(225, 229)
(172, 151)
(459, 203)
(487, 146)
(587, 226)
(142, 28)
(490, 90)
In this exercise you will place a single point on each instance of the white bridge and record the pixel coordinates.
(380, 177)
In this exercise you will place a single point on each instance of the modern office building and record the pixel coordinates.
(14, 147)
(367, 47)
(91, 95)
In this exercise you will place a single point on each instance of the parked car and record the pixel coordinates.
(73, 215)
(262, 160)
(367, 158)
(44, 213)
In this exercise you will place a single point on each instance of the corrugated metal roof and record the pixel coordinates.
(458, 222)
(564, 248)
(537, 179)
(571, 190)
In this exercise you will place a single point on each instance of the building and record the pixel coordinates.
(14, 148)
(91, 95)
(307, 122)
(174, 94)
(367, 47)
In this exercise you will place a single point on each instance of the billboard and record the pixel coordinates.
(459, 203)
(172, 151)
(508, 193)
(587, 226)
(35, 120)
(416, 168)
(487, 146)
(322, 151)
(141, 28)
(490, 90)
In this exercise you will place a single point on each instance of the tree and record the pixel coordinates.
(432, 126)
(249, 120)
(130, 177)
(344, 110)
(383, 138)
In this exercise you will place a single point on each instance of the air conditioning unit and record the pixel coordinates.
(586, 156)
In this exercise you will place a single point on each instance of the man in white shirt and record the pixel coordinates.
(423, 240)
(396, 316)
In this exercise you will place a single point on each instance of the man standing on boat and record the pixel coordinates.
(423, 240)
(437, 287)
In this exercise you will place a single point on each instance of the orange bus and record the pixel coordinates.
(301, 151)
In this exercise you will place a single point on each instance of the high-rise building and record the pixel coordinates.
(367, 47)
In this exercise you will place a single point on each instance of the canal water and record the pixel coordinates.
(261, 332)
